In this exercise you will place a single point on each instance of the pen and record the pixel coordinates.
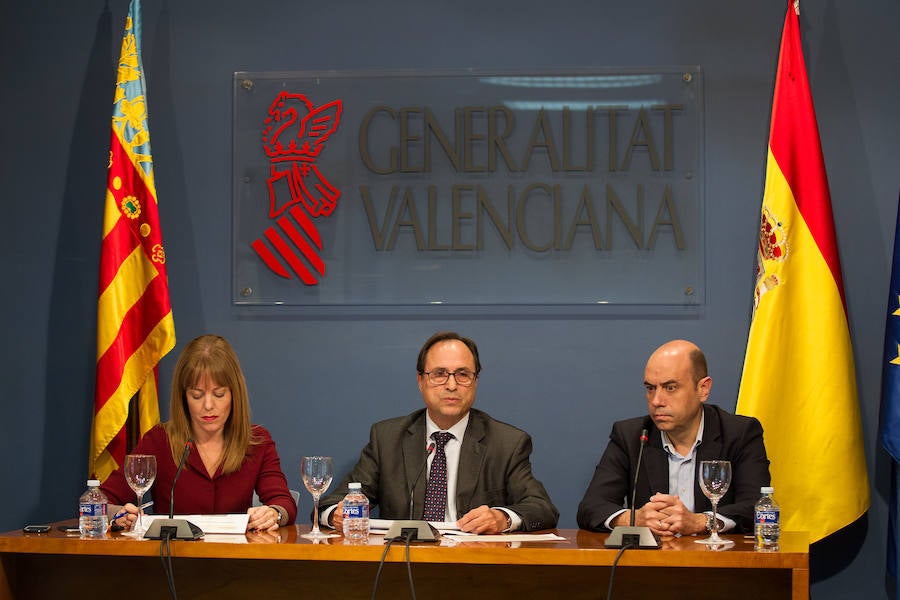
(122, 513)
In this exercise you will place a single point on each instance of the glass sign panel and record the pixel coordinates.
(468, 188)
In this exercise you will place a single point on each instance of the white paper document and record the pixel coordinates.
(210, 524)
(382, 525)
(505, 537)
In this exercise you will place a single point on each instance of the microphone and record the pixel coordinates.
(414, 530)
(187, 450)
(171, 528)
(412, 488)
(644, 440)
(631, 536)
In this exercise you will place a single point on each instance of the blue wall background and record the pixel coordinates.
(318, 383)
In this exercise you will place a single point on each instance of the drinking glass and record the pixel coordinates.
(317, 472)
(715, 477)
(140, 473)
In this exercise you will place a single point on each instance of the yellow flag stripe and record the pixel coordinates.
(103, 465)
(111, 214)
(148, 404)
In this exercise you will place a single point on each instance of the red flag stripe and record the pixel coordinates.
(137, 324)
(116, 246)
(802, 164)
(117, 445)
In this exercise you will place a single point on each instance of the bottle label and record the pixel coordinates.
(88, 509)
(354, 512)
(767, 517)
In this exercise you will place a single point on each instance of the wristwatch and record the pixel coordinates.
(280, 516)
(709, 523)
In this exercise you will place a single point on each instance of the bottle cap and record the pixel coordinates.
(93, 483)
(766, 490)
(354, 486)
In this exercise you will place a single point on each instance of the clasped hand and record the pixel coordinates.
(666, 514)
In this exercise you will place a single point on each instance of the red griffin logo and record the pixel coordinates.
(294, 135)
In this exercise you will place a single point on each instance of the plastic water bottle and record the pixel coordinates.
(767, 520)
(356, 515)
(92, 506)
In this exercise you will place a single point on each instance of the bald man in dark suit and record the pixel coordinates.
(682, 431)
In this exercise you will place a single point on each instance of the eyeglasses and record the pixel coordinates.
(463, 377)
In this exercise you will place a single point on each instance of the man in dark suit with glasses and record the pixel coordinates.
(449, 462)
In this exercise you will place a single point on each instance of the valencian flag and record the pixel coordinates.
(798, 377)
(135, 328)
(889, 419)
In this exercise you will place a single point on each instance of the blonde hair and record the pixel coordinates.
(213, 357)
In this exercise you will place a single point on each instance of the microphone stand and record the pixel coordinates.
(413, 530)
(171, 528)
(629, 536)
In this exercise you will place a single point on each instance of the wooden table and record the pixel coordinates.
(286, 565)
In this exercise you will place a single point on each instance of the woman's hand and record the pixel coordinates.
(262, 518)
(128, 519)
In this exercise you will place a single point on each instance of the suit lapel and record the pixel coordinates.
(413, 458)
(471, 458)
(709, 449)
(656, 467)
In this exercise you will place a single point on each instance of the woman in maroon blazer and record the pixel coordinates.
(229, 457)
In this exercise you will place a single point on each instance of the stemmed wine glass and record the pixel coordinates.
(140, 473)
(317, 472)
(715, 477)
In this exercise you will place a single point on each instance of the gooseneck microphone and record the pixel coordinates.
(188, 446)
(637, 470)
(630, 536)
(172, 528)
(412, 488)
(413, 530)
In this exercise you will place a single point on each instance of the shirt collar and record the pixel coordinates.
(667, 445)
(458, 430)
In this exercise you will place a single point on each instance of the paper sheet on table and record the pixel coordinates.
(382, 525)
(505, 537)
(232, 523)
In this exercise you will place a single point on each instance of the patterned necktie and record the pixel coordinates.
(436, 491)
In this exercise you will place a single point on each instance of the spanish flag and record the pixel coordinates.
(135, 328)
(799, 378)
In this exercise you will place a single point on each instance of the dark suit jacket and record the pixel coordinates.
(725, 437)
(494, 469)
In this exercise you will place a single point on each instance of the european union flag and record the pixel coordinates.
(889, 429)
(889, 418)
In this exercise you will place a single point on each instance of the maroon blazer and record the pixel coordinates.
(198, 493)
